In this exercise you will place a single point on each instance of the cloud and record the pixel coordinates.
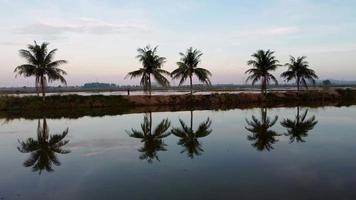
(9, 43)
(270, 32)
(265, 34)
(99, 146)
(82, 25)
(280, 31)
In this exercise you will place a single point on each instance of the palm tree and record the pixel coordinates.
(262, 63)
(298, 129)
(153, 141)
(298, 69)
(189, 137)
(44, 149)
(262, 136)
(151, 65)
(188, 66)
(41, 65)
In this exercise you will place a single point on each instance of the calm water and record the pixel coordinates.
(283, 153)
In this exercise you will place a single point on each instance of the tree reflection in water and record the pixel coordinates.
(189, 138)
(44, 148)
(298, 128)
(262, 137)
(152, 140)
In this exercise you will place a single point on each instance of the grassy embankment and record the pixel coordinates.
(74, 106)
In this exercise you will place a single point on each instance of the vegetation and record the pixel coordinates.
(326, 83)
(189, 137)
(152, 139)
(298, 69)
(262, 136)
(97, 105)
(263, 63)
(151, 66)
(298, 128)
(188, 66)
(97, 85)
(40, 64)
(348, 96)
(66, 102)
(44, 148)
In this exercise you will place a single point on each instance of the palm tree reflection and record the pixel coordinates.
(298, 128)
(152, 141)
(44, 148)
(262, 136)
(189, 137)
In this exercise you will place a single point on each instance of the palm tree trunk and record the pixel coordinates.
(263, 87)
(44, 127)
(151, 122)
(43, 88)
(298, 82)
(264, 114)
(191, 119)
(36, 85)
(191, 85)
(149, 84)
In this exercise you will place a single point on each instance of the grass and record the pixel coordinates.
(75, 106)
(35, 103)
(348, 96)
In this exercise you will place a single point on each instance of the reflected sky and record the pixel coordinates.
(311, 156)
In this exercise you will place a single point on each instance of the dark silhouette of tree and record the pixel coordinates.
(152, 140)
(40, 64)
(298, 128)
(326, 83)
(298, 69)
(188, 66)
(151, 66)
(44, 148)
(262, 63)
(262, 136)
(189, 138)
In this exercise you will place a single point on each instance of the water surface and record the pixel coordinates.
(281, 153)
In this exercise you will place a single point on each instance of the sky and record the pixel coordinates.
(99, 38)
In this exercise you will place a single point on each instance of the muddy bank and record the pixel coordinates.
(74, 106)
(241, 99)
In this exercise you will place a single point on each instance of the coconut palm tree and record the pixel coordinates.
(188, 66)
(262, 136)
(44, 149)
(298, 69)
(151, 66)
(263, 63)
(40, 64)
(152, 140)
(298, 128)
(189, 137)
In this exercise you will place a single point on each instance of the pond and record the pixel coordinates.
(275, 153)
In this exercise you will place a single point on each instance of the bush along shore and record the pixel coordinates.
(123, 104)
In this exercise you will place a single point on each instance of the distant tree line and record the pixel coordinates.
(97, 85)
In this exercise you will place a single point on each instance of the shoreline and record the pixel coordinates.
(74, 106)
(101, 112)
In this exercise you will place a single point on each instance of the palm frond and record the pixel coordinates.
(188, 66)
(39, 64)
(163, 81)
